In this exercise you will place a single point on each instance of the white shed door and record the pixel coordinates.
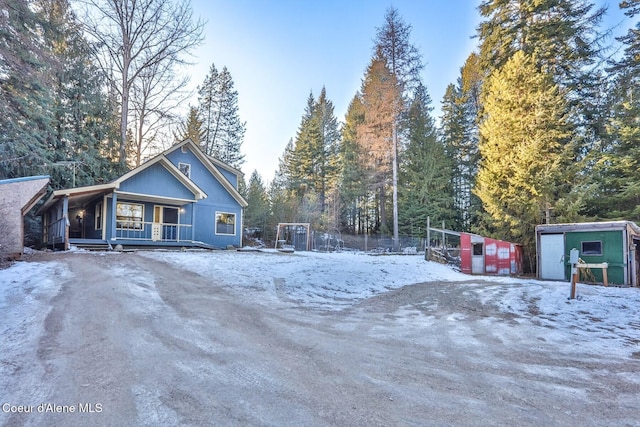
(552, 256)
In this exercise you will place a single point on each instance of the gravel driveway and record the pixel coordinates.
(130, 340)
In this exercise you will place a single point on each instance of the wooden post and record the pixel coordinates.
(574, 257)
(605, 279)
(444, 248)
(427, 253)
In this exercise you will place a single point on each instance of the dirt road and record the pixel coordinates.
(129, 340)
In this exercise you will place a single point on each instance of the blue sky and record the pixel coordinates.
(279, 51)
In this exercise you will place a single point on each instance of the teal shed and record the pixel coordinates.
(613, 242)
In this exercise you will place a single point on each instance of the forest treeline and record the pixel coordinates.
(541, 124)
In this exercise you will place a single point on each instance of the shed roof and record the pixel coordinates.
(588, 226)
(23, 179)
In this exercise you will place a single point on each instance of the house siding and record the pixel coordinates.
(156, 181)
(218, 200)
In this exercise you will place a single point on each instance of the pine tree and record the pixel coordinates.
(81, 126)
(223, 129)
(256, 214)
(562, 34)
(379, 93)
(613, 190)
(525, 150)
(24, 91)
(404, 63)
(351, 170)
(459, 130)
(425, 173)
(191, 128)
(310, 163)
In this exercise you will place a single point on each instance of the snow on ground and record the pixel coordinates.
(605, 319)
(26, 290)
(327, 280)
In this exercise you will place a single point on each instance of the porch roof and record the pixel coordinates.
(84, 194)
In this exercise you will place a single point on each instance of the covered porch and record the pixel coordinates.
(101, 217)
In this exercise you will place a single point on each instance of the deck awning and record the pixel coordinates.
(78, 196)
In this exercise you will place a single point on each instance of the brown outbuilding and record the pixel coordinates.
(17, 197)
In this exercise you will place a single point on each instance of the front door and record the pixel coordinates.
(165, 223)
(156, 228)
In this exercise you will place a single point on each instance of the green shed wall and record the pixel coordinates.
(613, 251)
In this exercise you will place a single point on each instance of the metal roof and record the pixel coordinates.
(23, 179)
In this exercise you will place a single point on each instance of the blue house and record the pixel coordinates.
(181, 198)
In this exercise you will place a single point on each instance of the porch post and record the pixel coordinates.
(66, 224)
(193, 222)
(114, 203)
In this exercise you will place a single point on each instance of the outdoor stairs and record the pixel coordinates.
(90, 244)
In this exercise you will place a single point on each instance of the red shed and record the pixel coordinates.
(482, 255)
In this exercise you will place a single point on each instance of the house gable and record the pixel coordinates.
(205, 173)
(156, 180)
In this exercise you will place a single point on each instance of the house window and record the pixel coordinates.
(591, 248)
(98, 216)
(129, 216)
(225, 223)
(185, 168)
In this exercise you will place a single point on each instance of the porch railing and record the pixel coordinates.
(56, 231)
(160, 232)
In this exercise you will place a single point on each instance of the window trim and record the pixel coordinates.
(138, 225)
(98, 216)
(216, 223)
(188, 168)
(591, 253)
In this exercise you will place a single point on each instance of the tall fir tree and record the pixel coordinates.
(379, 93)
(191, 128)
(25, 80)
(223, 129)
(404, 62)
(310, 162)
(613, 190)
(459, 131)
(256, 214)
(351, 170)
(425, 173)
(526, 150)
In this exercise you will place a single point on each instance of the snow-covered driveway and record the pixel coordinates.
(229, 338)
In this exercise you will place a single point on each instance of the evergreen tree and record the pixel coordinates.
(191, 128)
(24, 91)
(311, 162)
(562, 34)
(256, 214)
(81, 130)
(223, 129)
(614, 180)
(404, 63)
(48, 80)
(425, 174)
(525, 148)
(379, 93)
(351, 170)
(459, 130)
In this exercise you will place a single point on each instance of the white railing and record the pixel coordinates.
(158, 232)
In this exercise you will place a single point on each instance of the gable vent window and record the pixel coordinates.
(185, 168)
